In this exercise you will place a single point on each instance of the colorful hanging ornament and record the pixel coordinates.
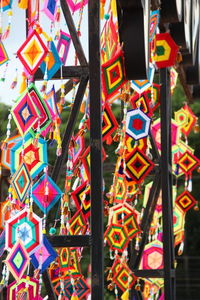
(131, 225)
(25, 113)
(81, 197)
(43, 125)
(2, 241)
(113, 75)
(191, 120)
(26, 228)
(137, 124)
(109, 122)
(109, 38)
(27, 285)
(17, 260)
(21, 182)
(143, 102)
(156, 131)
(166, 50)
(120, 189)
(152, 257)
(49, 8)
(188, 162)
(185, 201)
(153, 93)
(78, 148)
(6, 4)
(117, 213)
(32, 52)
(52, 62)
(63, 46)
(181, 117)
(43, 256)
(77, 224)
(154, 21)
(178, 219)
(141, 85)
(81, 287)
(138, 166)
(3, 54)
(117, 237)
(5, 152)
(64, 259)
(177, 151)
(124, 278)
(34, 156)
(52, 103)
(46, 193)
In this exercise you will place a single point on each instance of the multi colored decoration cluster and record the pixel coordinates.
(33, 195)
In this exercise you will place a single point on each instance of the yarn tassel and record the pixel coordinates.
(6, 33)
(102, 9)
(14, 83)
(43, 87)
(181, 247)
(23, 85)
(189, 187)
(125, 295)
(82, 108)
(114, 8)
(109, 140)
(57, 16)
(74, 296)
(23, 4)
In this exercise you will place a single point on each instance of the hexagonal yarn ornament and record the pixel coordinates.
(166, 50)
(117, 237)
(6, 153)
(27, 286)
(32, 52)
(34, 156)
(27, 228)
(178, 219)
(152, 257)
(137, 124)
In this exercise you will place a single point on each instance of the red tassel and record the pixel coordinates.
(57, 17)
(109, 140)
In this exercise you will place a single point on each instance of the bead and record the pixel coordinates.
(52, 231)
(106, 16)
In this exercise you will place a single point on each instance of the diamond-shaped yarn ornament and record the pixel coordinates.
(17, 260)
(32, 52)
